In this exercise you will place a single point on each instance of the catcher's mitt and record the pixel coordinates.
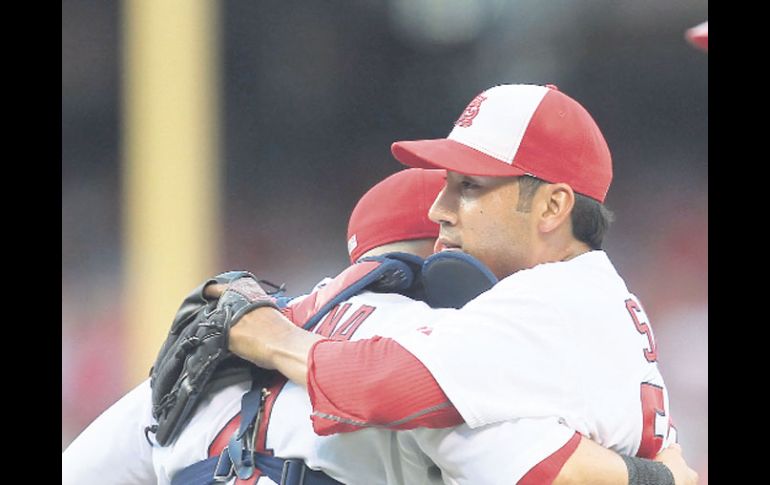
(194, 359)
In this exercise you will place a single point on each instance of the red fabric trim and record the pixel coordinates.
(249, 481)
(545, 472)
(353, 385)
(223, 437)
(267, 411)
(309, 306)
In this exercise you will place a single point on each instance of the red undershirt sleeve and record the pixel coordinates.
(373, 382)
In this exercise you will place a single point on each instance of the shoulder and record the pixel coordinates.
(591, 267)
(553, 288)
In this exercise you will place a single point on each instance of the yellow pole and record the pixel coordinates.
(170, 154)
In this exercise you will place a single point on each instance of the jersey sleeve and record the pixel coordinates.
(506, 355)
(113, 450)
(373, 382)
(501, 357)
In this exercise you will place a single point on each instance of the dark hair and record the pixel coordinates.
(590, 219)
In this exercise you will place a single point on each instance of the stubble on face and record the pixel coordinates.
(484, 219)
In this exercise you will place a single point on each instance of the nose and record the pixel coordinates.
(443, 211)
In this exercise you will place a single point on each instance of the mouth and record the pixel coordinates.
(445, 245)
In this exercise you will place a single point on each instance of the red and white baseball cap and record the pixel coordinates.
(521, 129)
(699, 36)
(396, 209)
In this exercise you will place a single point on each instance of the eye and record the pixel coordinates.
(469, 185)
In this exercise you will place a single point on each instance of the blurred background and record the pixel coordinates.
(303, 100)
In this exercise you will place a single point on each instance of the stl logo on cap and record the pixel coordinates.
(466, 119)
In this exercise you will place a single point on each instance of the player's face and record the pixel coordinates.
(479, 216)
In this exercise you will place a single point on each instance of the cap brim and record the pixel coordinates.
(453, 156)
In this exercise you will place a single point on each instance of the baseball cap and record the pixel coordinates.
(520, 129)
(396, 209)
(699, 36)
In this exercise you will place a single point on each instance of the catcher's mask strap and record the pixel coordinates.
(223, 470)
(376, 273)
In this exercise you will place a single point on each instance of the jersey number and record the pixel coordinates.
(655, 424)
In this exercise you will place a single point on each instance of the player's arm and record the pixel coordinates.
(268, 339)
(271, 341)
(532, 451)
(351, 384)
(596, 465)
(332, 372)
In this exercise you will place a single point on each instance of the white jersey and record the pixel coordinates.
(495, 454)
(561, 339)
(113, 449)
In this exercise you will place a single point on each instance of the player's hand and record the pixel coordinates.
(245, 336)
(673, 459)
(195, 357)
(214, 291)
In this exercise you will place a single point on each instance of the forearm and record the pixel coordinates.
(352, 385)
(271, 341)
(594, 464)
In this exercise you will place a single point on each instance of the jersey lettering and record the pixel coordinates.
(635, 310)
(346, 330)
(331, 320)
(656, 425)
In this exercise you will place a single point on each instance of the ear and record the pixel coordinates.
(555, 206)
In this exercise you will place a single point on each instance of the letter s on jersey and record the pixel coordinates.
(641, 324)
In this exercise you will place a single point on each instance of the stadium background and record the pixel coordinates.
(310, 97)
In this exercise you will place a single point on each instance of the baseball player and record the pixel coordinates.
(379, 224)
(559, 335)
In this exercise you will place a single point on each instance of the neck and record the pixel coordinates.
(563, 252)
(575, 250)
